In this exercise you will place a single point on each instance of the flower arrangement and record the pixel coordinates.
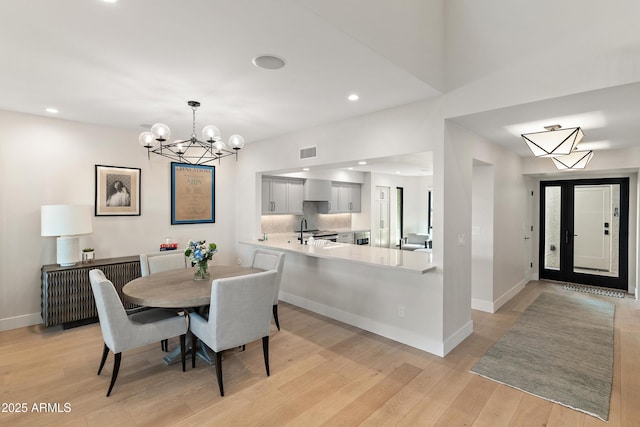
(199, 253)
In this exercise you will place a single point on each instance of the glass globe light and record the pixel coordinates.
(146, 139)
(211, 133)
(220, 145)
(236, 142)
(161, 132)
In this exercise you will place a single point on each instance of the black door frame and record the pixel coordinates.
(566, 273)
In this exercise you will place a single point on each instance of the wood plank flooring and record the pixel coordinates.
(323, 373)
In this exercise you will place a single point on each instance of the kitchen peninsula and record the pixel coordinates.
(389, 292)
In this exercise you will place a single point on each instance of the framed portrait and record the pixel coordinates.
(117, 191)
(192, 193)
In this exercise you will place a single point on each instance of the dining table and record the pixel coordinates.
(177, 289)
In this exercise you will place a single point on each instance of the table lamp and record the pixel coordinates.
(66, 222)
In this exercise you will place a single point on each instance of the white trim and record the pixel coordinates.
(492, 307)
(388, 331)
(482, 305)
(22, 321)
(458, 336)
(509, 294)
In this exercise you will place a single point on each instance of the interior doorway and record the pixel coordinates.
(584, 231)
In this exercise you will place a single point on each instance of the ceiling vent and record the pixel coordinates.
(308, 152)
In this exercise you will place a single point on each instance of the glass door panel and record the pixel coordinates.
(596, 225)
(552, 229)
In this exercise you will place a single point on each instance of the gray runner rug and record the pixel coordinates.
(561, 349)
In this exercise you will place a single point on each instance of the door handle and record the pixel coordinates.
(526, 238)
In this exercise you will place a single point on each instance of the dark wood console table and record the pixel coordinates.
(67, 298)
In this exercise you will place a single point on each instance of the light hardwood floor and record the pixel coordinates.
(322, 373)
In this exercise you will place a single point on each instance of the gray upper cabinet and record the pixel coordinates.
(281, 196)
(345, 197)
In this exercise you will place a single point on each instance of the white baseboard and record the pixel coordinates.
(388, 331)
(482, 305)
(492, 307)
(9, 323)
(508, 295)
(457, 337)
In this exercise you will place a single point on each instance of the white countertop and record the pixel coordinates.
(418, 262)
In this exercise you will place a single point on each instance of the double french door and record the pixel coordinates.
(584, 231)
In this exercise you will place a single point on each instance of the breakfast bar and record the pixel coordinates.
(390, 292)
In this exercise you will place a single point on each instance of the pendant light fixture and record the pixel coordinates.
(554, 141)
(575, 160)
(191, 150)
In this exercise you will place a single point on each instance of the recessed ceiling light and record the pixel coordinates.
(362, 162)
(350, 168)
(268, 62)
(52, 110)
(397, 172)
(306, 169)
(109, 1)
(353, 97)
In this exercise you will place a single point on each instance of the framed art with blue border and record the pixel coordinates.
(192, 193)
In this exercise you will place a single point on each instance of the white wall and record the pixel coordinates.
(482, 231)
(52, 161)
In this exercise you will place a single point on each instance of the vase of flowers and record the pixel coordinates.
(199, 253)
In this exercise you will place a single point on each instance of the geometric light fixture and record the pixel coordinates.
(554, 141)
(192, 150)
(575, 160)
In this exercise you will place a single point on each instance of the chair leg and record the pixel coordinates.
(105, 352)
(182, 354)
(219, 371)
(116, 368)
(164, 345)
(194, 342)
(265, 350)
(275, 315)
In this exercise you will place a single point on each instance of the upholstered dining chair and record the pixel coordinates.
(270, 260)
(122, 332)
(239, 314)
(157, 262)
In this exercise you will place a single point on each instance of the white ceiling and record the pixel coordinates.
(137, 62)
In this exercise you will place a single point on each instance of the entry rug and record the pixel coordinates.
(594, 290)
(561, 349)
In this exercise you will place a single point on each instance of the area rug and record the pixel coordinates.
(594, 290)
(561, 349)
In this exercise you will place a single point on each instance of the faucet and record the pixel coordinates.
(303, 221)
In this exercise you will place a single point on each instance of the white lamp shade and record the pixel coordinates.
(554, 142)
(65, 220)
(575, 160)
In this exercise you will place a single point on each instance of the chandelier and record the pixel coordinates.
(554, 141)
(192, 150)
(575, 160)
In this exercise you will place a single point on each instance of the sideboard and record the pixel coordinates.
(67, 297)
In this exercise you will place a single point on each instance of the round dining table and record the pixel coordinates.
(178, 289)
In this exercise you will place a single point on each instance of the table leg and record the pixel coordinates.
(174, 355)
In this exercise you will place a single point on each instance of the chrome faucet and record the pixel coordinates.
(303, 221)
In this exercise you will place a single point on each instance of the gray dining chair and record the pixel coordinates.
(157, 262)
(239, 314)
(122, 332)
(270, 260)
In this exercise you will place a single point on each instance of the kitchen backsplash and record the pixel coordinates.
(315, 220)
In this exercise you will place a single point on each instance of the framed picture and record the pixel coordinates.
(117, 191)
(192, 193)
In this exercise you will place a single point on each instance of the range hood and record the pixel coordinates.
(317, 190)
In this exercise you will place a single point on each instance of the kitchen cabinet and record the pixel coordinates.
(281, 196)
(295, 196)
(345, 197)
